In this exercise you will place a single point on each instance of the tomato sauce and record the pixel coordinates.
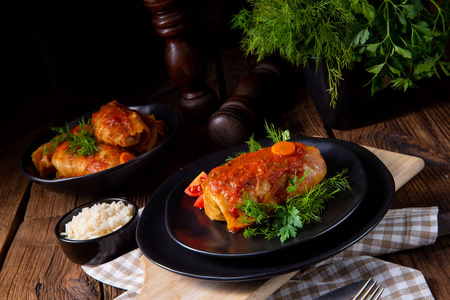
(248, 171)
(114, 117)
(96, 164)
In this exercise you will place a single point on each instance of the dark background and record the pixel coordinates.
(99, 48)
(64, 58)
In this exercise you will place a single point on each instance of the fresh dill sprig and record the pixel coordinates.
(300, 29)
(400, 40)
(253, 145)
(230, 158)
(81, 142)
(276, 135)
(284, 221)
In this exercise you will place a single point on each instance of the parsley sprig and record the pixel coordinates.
(284, 221)
(81, 142)
(406, 43)
(402, 41)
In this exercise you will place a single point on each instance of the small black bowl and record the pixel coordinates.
(110, 180)
(102, 249)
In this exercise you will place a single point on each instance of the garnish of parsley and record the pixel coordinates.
(81, 142)
(275, 220)
(272, 220)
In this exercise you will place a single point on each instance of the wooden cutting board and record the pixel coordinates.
(162, 284)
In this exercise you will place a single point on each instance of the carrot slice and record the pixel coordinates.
(283, 148)
(126, 156)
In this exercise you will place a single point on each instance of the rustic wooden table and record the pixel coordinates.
(33, 266)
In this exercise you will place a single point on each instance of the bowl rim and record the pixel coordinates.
(100, 173)
(49, 134)
(89, 204)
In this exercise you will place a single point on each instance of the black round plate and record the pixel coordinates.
(191, 228)
(112, 179)
(158, 246)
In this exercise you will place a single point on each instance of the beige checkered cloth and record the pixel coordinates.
(400, 229)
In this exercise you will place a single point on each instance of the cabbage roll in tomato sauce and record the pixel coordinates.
(42, 160)
(42, 157)
(155, 135)
(117, 125)
(262, 175)
(72, 165)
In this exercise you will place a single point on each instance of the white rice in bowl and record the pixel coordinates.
(98, 220)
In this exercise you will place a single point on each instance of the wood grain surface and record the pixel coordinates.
(414, 123)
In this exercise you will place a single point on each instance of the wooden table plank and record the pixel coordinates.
(303, 119)
(13, 192)
(36, 267)
(417, 123)
(35, 264)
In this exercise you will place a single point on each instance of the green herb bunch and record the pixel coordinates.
(406, 43)
(399, 40)
(81, 142)
(284, 221)
(299, 29)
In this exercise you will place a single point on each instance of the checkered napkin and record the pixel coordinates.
(400, 229)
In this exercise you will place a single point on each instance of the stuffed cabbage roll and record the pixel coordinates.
(72, 165)
(43, 156)
(263, 176)
(115, 124)
(42, 160)
(155, 135)
(113, 129)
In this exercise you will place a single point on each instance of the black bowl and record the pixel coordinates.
(102, 249)
(112, 179)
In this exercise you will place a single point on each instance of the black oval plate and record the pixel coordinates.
(191, 228)
(109, 180)
(159, 247)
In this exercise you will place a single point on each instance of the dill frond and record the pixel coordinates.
(83, 142)
(284, 221)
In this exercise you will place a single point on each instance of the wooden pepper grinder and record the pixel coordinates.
(234, 122)
(185, 64)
